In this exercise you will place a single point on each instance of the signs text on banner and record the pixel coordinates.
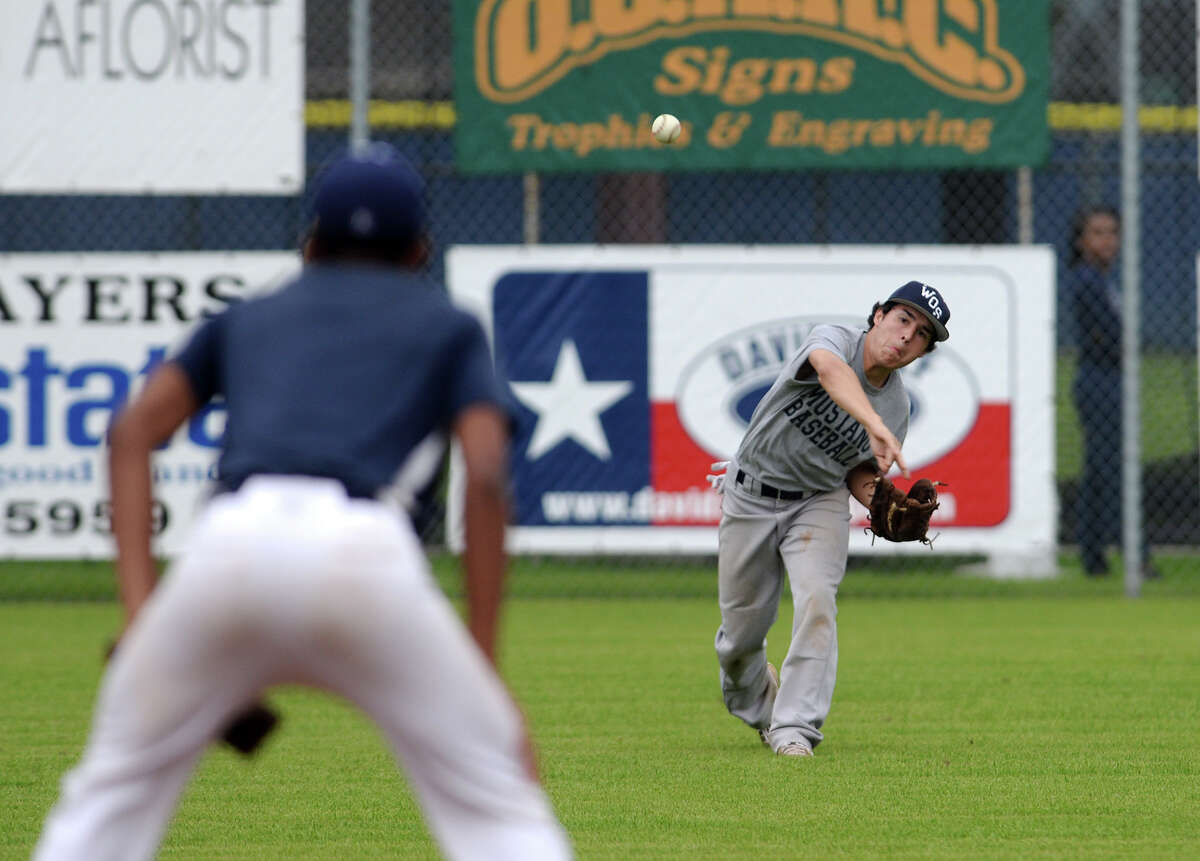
(559, 85)
(80, 333)
(138, 96)
(634, 368)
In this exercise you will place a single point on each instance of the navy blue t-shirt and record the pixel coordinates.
(348, 372)
(1095, 303)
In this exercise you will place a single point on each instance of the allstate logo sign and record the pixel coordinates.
(719, 388)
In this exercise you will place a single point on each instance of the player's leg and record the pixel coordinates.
(749, 583)
(814, 550)
(404, 656)
(115, 804)
(173, 682)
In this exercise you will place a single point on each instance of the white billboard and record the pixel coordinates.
(152, 96)
(80, 332)
(634, 367)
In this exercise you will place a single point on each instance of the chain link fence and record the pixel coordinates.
(412, 80)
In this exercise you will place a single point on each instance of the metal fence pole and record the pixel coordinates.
(1130, 276)
(360, 72)
(1025, 205)
(531, 216)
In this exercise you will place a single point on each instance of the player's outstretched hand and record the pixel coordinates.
(886, 449)
(717, 477)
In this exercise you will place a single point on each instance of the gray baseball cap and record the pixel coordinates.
(928, 301)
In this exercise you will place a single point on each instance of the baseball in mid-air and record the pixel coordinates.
(665, 128)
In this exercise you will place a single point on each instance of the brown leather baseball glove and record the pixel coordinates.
(897, 516)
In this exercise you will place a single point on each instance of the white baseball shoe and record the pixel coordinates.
(773, 689)
(795, 748)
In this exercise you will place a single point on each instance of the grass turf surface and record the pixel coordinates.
(1168, 402)
(1019, 723)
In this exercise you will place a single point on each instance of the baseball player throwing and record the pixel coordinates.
(830, 426)
(342, 390)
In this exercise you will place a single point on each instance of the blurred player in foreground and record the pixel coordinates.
(830, 426)
(342, 390)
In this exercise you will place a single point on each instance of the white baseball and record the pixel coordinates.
(665, 128)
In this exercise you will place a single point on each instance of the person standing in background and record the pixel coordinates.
(1093, 296)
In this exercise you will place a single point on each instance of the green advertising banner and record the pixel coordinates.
(573, 85)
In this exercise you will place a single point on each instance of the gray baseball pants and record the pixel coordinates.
(761, 539)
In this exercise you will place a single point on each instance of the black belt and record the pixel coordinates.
(773, 492)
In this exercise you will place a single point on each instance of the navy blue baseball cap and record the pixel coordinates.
(373, 195)
(929, 302)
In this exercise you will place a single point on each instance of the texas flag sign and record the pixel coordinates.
(632, 369)
(574, 347)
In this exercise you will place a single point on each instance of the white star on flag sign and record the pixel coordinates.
(569, 407)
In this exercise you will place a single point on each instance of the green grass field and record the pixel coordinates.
(973, 719)
(1169, 412)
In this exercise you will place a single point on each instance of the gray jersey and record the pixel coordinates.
(798, 438)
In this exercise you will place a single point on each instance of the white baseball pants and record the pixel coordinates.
(290, 581)
(760, 541)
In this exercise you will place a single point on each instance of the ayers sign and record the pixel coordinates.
(562, 85)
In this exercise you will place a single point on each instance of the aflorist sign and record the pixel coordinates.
(163, 96)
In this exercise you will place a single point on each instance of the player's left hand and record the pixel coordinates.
(717, 477)
(246, 732)
(897, 516)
